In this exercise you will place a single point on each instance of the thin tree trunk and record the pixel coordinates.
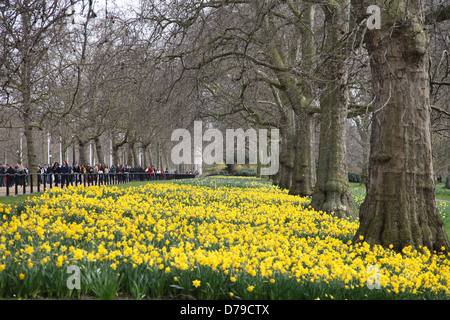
(158, 155)
(447, 180)
(31, 150)
(400, 207)
(363, 127)
(26, 95)
(28, 132)
(365, 137)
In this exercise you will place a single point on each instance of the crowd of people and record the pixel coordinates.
(64, 174)
(6, 169)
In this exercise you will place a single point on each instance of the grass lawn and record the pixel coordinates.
(11, 200)
(442, 193)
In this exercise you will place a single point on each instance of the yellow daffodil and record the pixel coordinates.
(236, 232)
(196, 283)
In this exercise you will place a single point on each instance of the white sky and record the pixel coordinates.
(121, 3)
(112, 5)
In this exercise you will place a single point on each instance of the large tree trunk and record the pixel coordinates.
(304, 175)
(82, 157)
(145, 163)
(115, 154)
(115, 148)
(400, 206)
(130, 154)
(292, 103)
(99, 150)
(287, 157)
(332, 191)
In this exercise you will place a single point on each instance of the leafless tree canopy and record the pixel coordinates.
(94, 81)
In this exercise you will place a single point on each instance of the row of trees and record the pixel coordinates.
(96, 73)
(88, 76)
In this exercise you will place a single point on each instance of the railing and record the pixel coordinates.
(46, 181)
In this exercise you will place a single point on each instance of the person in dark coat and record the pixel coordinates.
(11, 171)
(65, 172)
(56, 170)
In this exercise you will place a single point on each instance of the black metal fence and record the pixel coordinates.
(19, 183)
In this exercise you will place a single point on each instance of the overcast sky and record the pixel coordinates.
(122, 3)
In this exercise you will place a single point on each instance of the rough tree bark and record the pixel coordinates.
(99, 150)
(332, 192)
(304, 175)
(27, 109)
(25, 76)
(297, 175)
(287, 156)
(400, 207)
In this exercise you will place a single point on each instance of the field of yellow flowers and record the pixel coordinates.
(206, 238)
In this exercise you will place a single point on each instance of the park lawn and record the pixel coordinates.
(205, 238)
(13, 200)
(442, 193)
